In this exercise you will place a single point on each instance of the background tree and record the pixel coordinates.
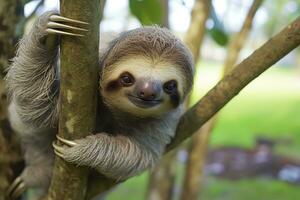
(199, 145)
(10, 14)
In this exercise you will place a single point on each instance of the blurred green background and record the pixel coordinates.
(269, 106)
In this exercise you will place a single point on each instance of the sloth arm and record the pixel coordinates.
(31, 79)
(116, 156)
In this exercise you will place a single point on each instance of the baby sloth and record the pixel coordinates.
(145, 75)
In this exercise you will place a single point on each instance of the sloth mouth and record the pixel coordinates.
(143, 103)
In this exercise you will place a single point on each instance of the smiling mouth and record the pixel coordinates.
(142, 103)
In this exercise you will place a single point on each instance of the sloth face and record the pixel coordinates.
(142, 87)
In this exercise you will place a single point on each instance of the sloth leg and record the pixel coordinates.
(32, 79)
(39, 161)
(116, 156)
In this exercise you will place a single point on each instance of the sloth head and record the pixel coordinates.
(146, 72)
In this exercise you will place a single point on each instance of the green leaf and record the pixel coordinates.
(219, 36)
(217, 32)
(146, 11)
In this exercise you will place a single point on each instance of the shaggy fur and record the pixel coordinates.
(125, 144)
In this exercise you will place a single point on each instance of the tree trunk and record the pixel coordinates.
(196, 30)
(199, 145)
(239, 39)
(78, 95)
(162, 179)
(10, 156)
(194, 39)
(245, 72)
(165, 8)
(196, 159)
(8, 21)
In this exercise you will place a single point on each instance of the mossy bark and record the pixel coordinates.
(78, 95)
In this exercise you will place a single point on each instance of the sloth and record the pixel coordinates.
(145, 75)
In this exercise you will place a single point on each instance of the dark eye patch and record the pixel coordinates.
(175, 99)
(113, 86)
(170, 87)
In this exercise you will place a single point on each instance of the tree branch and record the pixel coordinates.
(239, 39)
(262, 59)
(249, 69)
(78, 95)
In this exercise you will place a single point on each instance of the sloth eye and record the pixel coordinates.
(126, 79)
(170, 86)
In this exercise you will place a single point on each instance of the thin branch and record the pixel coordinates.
(239, 39)
(249, 69)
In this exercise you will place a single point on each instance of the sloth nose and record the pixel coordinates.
(148, 90)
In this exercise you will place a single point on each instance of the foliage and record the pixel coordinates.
(288, 9)
(217, 32)
(147, 11)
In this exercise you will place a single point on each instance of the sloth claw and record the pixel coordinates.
(67, 142)
(58, 150)
(56, 25)
(16, 189)
(59, 18)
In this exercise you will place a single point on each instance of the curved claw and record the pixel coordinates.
(67, 142)
(61, 26)
(58, 150)
(16, 189)
(59, 18)
(58, 25)
(50, 30)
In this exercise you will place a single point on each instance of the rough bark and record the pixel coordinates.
(239, 39)
(78, 95)
(10, 156)
(245, 72)
(199, 145)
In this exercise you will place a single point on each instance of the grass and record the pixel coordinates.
(269, 106)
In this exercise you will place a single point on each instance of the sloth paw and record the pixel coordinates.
(80, 152)
(65, 26)
(16, 189)
(61, 151)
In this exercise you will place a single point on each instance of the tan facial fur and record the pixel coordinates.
(141, 68)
